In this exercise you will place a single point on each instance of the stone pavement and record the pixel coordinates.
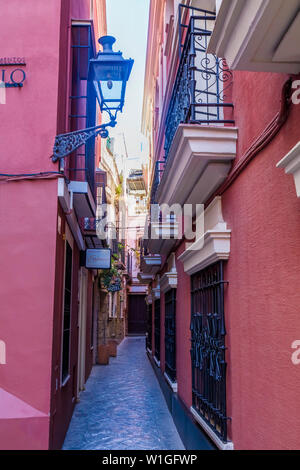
(123, 407)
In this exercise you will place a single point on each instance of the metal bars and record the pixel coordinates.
(159, 169)
(157, 328)
(83, 105)
(208, 348)
(203, 83)
(170, 334)
(149, 327)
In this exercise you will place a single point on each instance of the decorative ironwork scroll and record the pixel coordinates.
(202, 88)
(65, 144)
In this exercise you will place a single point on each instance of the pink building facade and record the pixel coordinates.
(225, 304)
(47, 307)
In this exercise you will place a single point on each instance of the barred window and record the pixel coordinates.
(149, 327)
(170, 334)
(67, 315)
(157, 328)
(208, 348)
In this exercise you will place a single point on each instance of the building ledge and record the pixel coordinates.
(169, 279)
(213, 246)
(145, 278)
(155, 293)
(213, 436)
(291, 164)
(198, 163)
(164, 236)
(168, 282)
(151, 264)
(157, 362)
(65, 201)
(260, 35)
(83, 201)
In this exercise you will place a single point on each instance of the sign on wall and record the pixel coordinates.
(12, 78)
(98, 259)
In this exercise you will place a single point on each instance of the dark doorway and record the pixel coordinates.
(137, 315)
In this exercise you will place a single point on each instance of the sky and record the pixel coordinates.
(127, 21)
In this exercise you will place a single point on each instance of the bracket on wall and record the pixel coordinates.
(67, 143)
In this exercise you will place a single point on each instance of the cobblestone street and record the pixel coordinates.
(123, 407)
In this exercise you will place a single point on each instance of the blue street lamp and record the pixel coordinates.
(109, 73)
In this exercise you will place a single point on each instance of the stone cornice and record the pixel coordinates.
(213, 246)
(168, 281)
(199, 161)
(291, 164)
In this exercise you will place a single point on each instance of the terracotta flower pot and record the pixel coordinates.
(112, 347)
(103, 354)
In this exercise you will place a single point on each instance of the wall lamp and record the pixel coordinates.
(109, 72)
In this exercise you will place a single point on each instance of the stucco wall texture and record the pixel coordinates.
(262, 297)
(28, 211)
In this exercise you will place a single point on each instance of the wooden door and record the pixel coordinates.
(137, 315)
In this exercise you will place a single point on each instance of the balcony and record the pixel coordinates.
(89, 225)
(163, 233)
(136, 182)
(150, 264)
(261, 36)
(200, 137)
(145, 278)
(80, 165)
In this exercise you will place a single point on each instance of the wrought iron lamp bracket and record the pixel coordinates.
(65, 144)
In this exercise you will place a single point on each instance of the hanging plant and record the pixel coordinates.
(111, 280)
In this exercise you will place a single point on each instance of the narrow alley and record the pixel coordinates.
(123, 407)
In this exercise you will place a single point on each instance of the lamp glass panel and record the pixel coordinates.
(111, 90)
(109, 71)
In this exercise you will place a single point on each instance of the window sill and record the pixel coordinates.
(66, 380)
(157, 362)
(173, 385)
(219, 443)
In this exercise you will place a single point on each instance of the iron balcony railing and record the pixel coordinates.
(81, 166)
(91, 224)
(202, 89)
(158, 171)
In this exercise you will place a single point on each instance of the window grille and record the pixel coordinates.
(83, 104)
(170, 334)
(157, 328)
(67, 314)
(208, 348)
